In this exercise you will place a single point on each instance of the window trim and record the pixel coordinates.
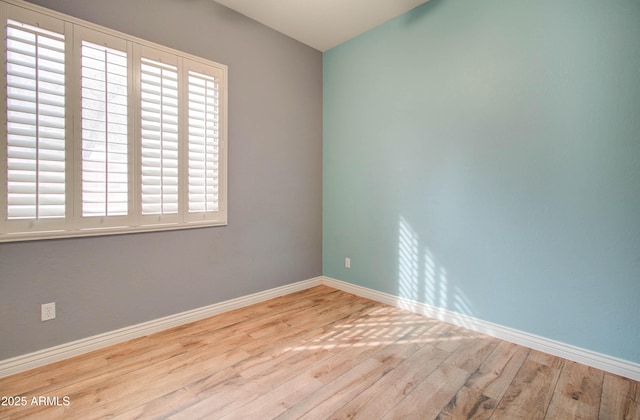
(75, 225)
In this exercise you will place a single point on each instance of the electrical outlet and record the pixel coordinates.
(347, 262)
(47, 311)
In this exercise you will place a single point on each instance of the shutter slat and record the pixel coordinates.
(35, 123)
(104, 131)
(203, 161)
(159, 122)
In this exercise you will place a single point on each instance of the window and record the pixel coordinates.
(106, 133)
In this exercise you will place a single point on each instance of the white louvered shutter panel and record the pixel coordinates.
(35, 122)
(159, 137)
(104, 131)
(204, 114)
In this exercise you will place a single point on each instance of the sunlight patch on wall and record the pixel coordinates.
(408, 261)
(421, 278)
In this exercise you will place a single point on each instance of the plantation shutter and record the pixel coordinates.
(204, 114)
(104, 131)
(35, 122)
(159, 137)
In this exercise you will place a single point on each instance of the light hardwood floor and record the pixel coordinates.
(319, 354)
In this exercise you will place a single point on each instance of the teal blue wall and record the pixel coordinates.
(484, 157)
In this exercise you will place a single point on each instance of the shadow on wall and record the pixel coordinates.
(422, 278)
(421, 11)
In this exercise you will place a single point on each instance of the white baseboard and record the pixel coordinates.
(587, 357)
(85, 345)
(54, 354)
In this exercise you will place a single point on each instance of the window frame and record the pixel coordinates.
(74, 223)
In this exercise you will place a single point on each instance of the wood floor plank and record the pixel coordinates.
(159, 407)
(393, 387)
(107, 397)
(475, 350)
(321, 334)
(306, 355)
(271, 371)
(228, 396)
(432, 395)
(620, 398)
(480, 395)
(531, 391)
(277, 400)
(35, 380)
(496, 377)
(468, 403)
(320, 353)
(578, 393)
(349, 347)
(338, 391)
(389, 347)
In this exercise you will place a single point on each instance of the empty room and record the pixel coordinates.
(359, 209)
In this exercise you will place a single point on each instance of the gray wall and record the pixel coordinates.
(274, 235)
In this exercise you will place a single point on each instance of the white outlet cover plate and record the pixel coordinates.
(47, 311)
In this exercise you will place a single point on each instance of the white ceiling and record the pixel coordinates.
(321, 24)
